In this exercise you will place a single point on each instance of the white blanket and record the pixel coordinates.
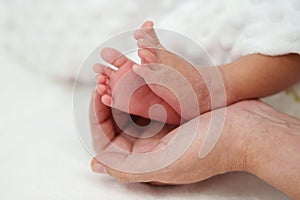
(41, 46)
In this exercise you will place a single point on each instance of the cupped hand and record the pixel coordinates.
(118, 134)
(117, 146)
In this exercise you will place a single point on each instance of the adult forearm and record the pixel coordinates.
(275, 154)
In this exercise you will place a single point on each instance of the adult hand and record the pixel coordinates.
(255, 138)
(227, 155)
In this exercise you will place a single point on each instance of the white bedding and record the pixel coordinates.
(41, 45)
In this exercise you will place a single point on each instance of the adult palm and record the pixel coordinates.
(116, 146)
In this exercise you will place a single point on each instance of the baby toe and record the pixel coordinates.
(98, 68)
(101, 89)
(147, 55)
(144, 43)
(101, 78)
(106, 100)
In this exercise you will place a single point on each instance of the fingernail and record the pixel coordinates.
(98, 168)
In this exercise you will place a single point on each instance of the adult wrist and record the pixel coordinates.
(274, 154)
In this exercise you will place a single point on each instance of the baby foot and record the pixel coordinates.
(152, 51)
(116, 88)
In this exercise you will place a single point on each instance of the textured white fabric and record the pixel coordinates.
(231, 29)
(55, 36)
(42, 43)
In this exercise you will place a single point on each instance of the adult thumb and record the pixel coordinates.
(124, 177)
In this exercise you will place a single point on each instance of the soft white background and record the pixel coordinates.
(42, 44)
